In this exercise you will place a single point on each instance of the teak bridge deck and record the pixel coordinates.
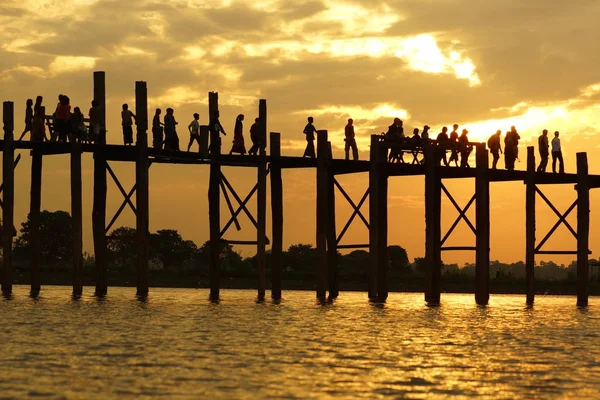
(327, 236)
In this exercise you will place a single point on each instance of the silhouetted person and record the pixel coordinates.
(239, 146)
(38, 126)
(28, 118)
(171, 138)
(194, 128)
(425, 134)
(95, 122)
(310, 131)
(216, 128)
(442, 145)
(157, 130)
(416, 140)
(453, 144)
(557, 154)
(394, 138)
(465, 148)
(127, 119)
(495, 147)
(511, 148)
(61, 119)
(543, 149)
(350, 141)
(77, 127)
(255, 137)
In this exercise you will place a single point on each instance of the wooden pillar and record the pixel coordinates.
(373, 217)
(8, 175)
(482, 223)
(332, 261)
(530, 225)
(76, 217)
(433, 230)
(34, 215)
(583, 229)
(142, 182)
(322, 209)
(261, 203)
(100, 97)
(99, 206)
(382, 225)
(262, 115)
(276, 215)
(214, 198)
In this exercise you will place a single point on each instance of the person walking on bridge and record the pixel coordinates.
(157, 130)
(238, 136)
(309, 131)
(543, 149)
(557, 154)
(441, 146)
(194, 129)
(127, 122)
(453, 144)
(255, 137)
(350, 141)
(495, 147)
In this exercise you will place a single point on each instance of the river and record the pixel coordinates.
(179, 345)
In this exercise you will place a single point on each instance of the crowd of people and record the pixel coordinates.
(70, 126)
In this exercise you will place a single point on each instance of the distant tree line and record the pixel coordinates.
(170, 252)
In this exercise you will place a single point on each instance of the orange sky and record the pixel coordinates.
(484, 65)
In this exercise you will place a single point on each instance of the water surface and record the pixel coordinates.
(179, 345)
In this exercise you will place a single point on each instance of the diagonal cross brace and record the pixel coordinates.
(242, 205)
(127, 198)
(349, 200)
(561, 220)
(462, 214)
(354, 214)
(558, 214)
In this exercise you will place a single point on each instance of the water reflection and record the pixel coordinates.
(178, 345)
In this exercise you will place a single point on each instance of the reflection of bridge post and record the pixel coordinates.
(482, 223)
(530, 225)
(583, 229)
(277, 215)
(433, 211)
(141, 195)
(8, 175)
(322, 211)
(99, 207)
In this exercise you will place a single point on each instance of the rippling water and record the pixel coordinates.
(178, 345)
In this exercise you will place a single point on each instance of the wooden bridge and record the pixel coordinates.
(327, 235)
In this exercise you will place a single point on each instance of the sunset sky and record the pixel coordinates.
(485, 65)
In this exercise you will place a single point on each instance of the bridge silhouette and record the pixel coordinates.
(271, 165)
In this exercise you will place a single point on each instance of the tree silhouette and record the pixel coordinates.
(56, 238)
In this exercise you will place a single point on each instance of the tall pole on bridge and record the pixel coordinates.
(276, 215)
(8, 175)
(99, 207)
(433, 227)
(141, 195)
(530, 225)
(583, 229)
(214, 198)
(482, 223)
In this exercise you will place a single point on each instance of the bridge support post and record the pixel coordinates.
(583, 229)
(322, 210)
(277, 215)
(433, 211)
(34, 215)
(378, 264)
(530, 225)
(142, 181)
(76, 217)
(332, 260)
(8, 176)
(482, 204)
(261, 202)
(214, 198)
(99, 207)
